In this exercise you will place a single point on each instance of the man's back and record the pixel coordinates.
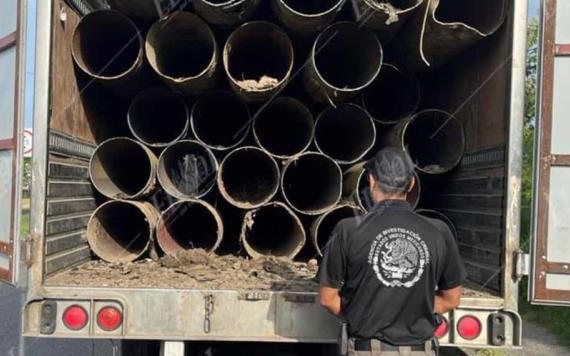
(387, 265)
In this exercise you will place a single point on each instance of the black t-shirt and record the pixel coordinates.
(387, 265)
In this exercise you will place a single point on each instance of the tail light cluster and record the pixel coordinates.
(75, 317)
(469, 327)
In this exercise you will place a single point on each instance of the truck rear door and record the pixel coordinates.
(550, 278)
(11, 134)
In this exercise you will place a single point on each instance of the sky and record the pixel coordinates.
(534, 7)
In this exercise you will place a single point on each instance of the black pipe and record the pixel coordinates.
(225, 12)
(311, 183)
(258, 59)
(386, 17)
(158, 117)
(284, 128)
(122, 168)
(182, 50)
(121, 231)
(345, 59)
(323, 226)
(434, 140)
(345, 133)
(306, 16)
(187, 225)
(272, 230)
(220, 120)
(108, 46)
(434, 214)
(187, 169)
(248, 177)
(394, 95)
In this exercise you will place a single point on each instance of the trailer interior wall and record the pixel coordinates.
(475, 87)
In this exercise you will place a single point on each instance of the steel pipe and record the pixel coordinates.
(323, 226)
(284, 128)
(434, 214)
(122, 168)
(248, 177)
(445, 28)
(345, 133)
(187, 225)
(220, 120)
(434, 139)
(187, 169)
(272, 230)
(394, 96)
(121, 231)
(144, 10)
(182, 50)
(158, 117)
(258, 59)
(311, 183)
(108, 46)
(344, 60)
(356, 188)
(225, 12)
(386, 17)
(306, 16)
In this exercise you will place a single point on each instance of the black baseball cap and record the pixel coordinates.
(392, 167)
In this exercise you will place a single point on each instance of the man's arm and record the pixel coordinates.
(330, 300)
(447, 300)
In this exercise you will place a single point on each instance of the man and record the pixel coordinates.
(380, 271)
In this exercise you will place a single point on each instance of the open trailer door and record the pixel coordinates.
(11, 134)
(550, 277)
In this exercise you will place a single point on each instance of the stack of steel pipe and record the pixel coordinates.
(227, 112)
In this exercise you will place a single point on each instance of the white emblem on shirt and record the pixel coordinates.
(398, 257)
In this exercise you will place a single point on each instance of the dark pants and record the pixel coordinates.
(376, 350)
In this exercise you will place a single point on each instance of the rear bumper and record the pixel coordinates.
(163, 314)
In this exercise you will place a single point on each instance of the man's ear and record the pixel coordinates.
(412, 184)
(371, 182)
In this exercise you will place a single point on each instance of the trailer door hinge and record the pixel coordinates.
(522, 264)
(208, 309)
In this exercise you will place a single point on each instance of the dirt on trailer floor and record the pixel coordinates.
(196, 269)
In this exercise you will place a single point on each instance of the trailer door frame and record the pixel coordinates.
(550, 277)
(12, 69)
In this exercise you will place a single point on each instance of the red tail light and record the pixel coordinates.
(109, 318)
(469, 327)
(441, 330)
(75, 317)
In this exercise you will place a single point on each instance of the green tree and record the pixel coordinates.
(529, 131)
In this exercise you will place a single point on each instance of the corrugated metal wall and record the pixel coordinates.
(70, 202)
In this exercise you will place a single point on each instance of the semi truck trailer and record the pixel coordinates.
(471, 67)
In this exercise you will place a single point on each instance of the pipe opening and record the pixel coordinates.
(122, 168)
(158, 117)
(248, 177)
(484, 15)
(258, 56)
(106, 44)
(324, 226)
(396, 4)
(189, 225)
(119, 231)
(347, 56)
(345, 133)
(181, 46)
(435, 141)
(393, 96)
(311, 7)
(273, 230)
(312, 183)
(187, 169)
(220, 120)
(284, 128)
